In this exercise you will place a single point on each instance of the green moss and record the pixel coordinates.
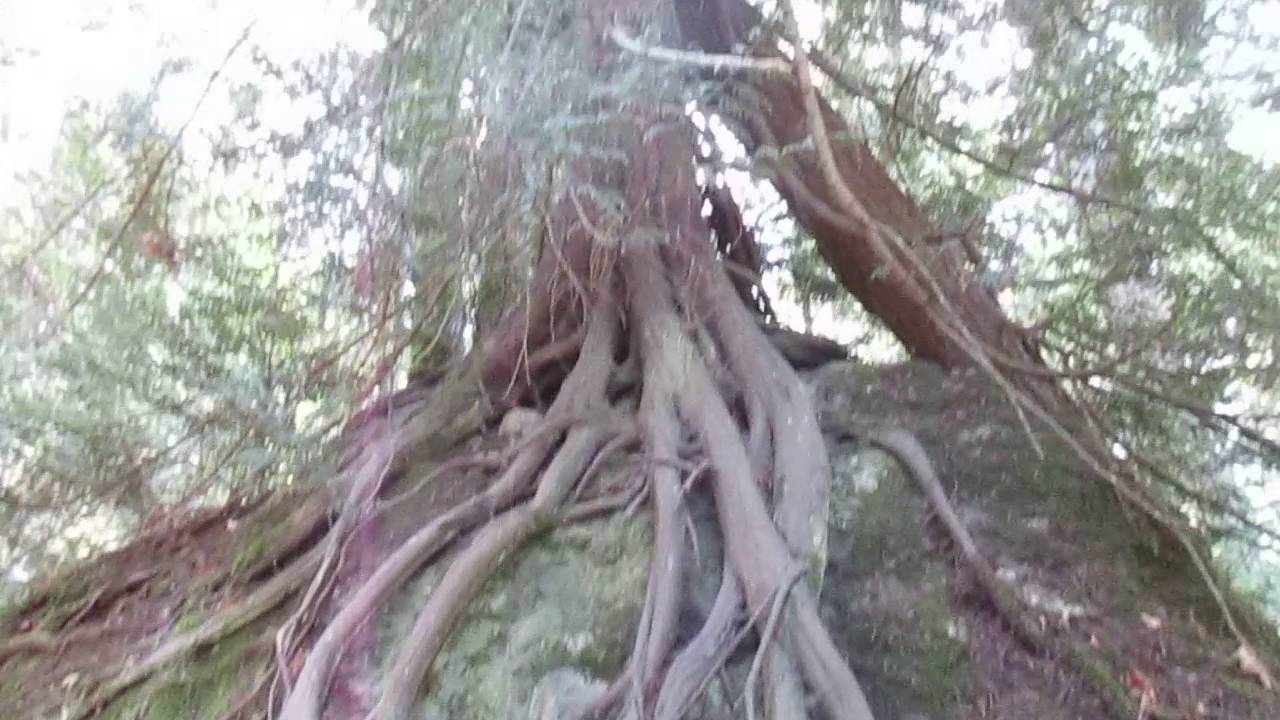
(913, 653)
(189, 620)
(204, 687)
(255, 549)
(569, 599)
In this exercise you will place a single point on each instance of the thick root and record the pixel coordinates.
(755, 547)
(769, 479)
(585, 390)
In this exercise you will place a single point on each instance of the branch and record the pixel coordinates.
(150, 182)
(828, 68)
(715, 61)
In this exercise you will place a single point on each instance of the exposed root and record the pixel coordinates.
(907, 450)
(475, 564)
(800, 468)
(370, 469)
(698, 661)
(35, 641)
(656, 634)
(583, 391)
(754, 544)
(306, 698)
(243, 612)
(766, 636)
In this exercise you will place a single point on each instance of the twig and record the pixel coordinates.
(152, 177)
(715, 61)
(766, 635)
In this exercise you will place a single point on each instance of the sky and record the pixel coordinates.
(53, 53)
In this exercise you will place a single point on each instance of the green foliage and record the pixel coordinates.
(191, 311)
(1103, 179)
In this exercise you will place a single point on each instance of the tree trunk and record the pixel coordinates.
(446, 571)
(887, 282)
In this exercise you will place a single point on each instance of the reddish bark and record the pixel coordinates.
(890, 288)
(737, 245)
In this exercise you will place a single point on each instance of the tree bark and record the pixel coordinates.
(891, 286)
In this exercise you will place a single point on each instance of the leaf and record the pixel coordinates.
(1251, 664)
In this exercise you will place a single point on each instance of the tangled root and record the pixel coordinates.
(745, 422)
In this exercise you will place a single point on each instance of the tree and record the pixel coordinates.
(639, 328)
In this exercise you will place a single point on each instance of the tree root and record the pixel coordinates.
(305, 700)
(754, 545)
(698, 661)
(474, 565)
(368, 472)
(585, 388)
(907, 450)
(33, 642)
(235, 617)
(656, 633)
(770, 489)
(766, 636)
(911, 455)
(799, 463)
(576, 398)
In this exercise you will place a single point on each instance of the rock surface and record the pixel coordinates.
(549, 632)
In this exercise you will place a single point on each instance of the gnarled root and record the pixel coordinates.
(769, 479)
(907, 450)
(755, 546)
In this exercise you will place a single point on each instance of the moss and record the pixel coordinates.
(569, 599)
(912, 648)
(189, 620)
(204, 687)
(254, 550)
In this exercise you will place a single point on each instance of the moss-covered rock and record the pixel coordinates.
(886, 598)
(1119, 603)
(569, 600)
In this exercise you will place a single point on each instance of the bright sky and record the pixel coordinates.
(54, 52)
